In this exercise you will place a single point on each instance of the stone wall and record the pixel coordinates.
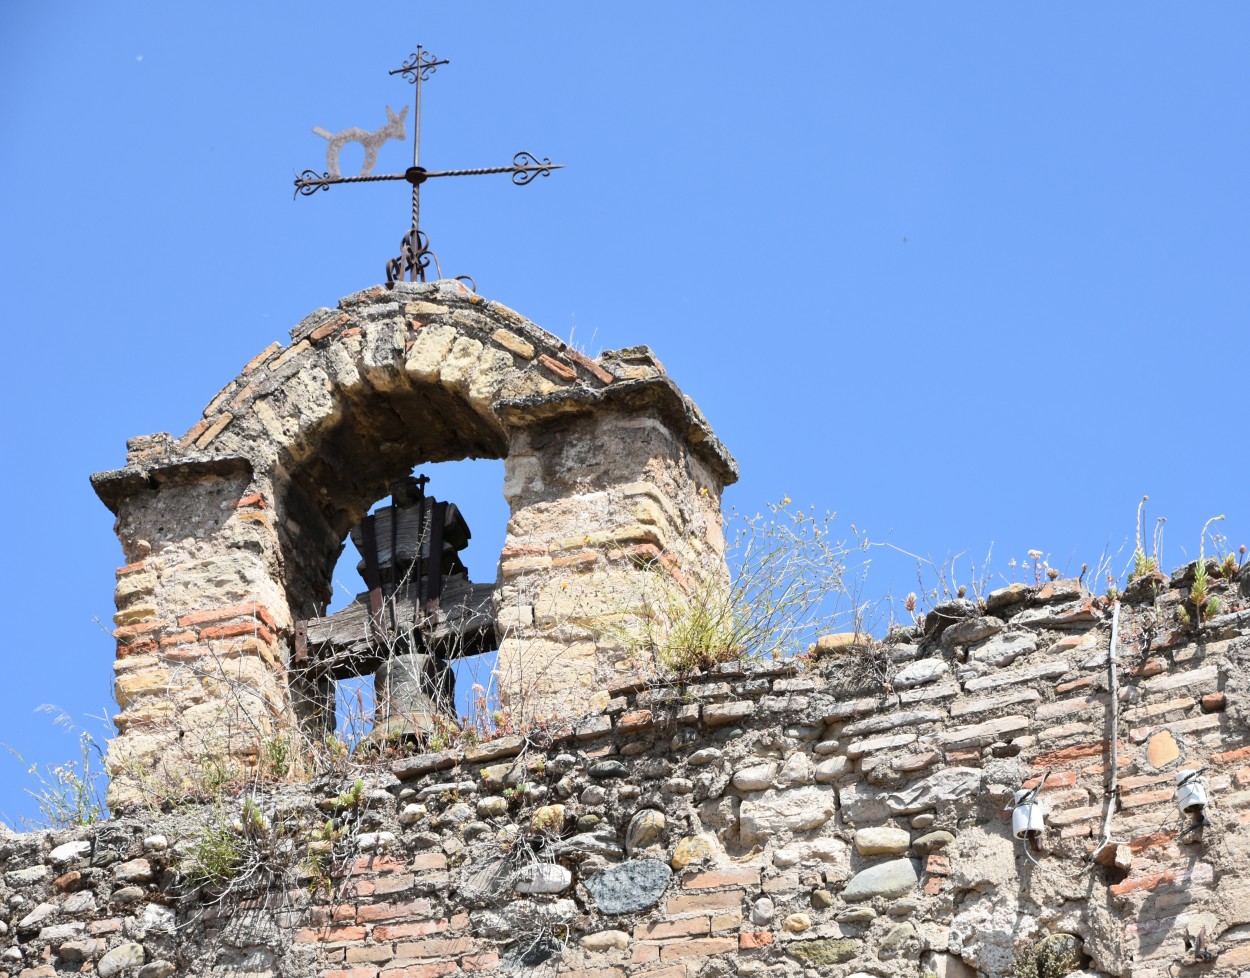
(231, 531)
(834, 818)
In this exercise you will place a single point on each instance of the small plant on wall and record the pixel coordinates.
(218, 852)
(1143, 566)
(1202, 603)
(783, 591)
(1051, 957)
(67, 794)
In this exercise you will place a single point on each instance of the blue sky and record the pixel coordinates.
(967, 274)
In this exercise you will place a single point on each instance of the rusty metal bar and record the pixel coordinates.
(373, 577)
(301, 645)
(309, 182)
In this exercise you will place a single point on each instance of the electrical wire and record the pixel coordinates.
(1113, 789)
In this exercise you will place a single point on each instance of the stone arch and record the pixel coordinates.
(231, 531)
(362, 393)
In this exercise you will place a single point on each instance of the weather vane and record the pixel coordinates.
(415, 254)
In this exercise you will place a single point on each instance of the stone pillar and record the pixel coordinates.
(611, 507)
(200, 680)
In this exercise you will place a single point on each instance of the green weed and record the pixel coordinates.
(1047, 958)
(67, 794)
(773, 604)
(351, 797)
(1143, 566)
(219, 852)
(1204, 603)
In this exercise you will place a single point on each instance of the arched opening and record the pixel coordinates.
(473, 487)
(233, 530)
(371, 442)
(383, 666)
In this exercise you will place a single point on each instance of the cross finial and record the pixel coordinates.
(415, 255)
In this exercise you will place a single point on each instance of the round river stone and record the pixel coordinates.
(888, 879)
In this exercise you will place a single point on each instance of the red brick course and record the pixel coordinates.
(328, 327)
(698, 948)
(1058, 779)
(561, 370)
(211, 616)
(589, 365)
(657, 930)
(695, 902)
(421, 970)
(373, 912)
(1076, 752)
(643, 953)
(1239, 754)
(721, 877)
(139, 630)
(378, 864)
(322, 935)
(239, 628)
(415, 928)
(436, 947)
(339, 914)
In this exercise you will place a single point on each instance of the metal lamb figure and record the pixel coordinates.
(371, 141)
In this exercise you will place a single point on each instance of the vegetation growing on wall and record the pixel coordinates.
(786, 587)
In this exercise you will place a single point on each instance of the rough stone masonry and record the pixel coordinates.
(780, 819)
(846, 816)
(231, 531)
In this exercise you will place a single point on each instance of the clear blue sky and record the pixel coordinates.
(964, 273)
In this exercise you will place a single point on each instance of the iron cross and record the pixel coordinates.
(415, 254)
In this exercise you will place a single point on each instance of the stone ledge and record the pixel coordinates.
(117, 485)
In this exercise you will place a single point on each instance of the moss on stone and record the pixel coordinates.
(825, 950)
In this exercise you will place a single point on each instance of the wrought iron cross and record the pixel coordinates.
(415, 254)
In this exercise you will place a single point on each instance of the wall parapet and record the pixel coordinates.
(840, 817)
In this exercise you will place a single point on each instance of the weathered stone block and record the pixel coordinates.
(796, 810)
(460, 364)
(427, 354)
(825, 951)
(722, 714)
(881, 841)
(921, 672)
(981, 734)
(950, 784)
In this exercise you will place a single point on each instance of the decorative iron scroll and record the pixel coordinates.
(526, 166)
(420, 63)
(415, 254)
(414, 258)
